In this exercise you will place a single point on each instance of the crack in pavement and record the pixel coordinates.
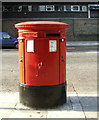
(79, 102)
(71, 103)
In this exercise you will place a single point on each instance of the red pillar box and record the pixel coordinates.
(42, 63)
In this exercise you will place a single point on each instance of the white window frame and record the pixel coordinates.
(50, 6)
(41, 6)
(4, 9)
(20, 7)
(89, 9)
(84, 8)
(30, 8)
(65, 9)
(72, 6)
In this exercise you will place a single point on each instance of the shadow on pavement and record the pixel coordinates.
(9, 49)
(83, 103)
(49, 119)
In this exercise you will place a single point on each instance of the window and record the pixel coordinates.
(46, 8)
(75, 8)
(34, 8)
(7, 9)
(94, 7)
(30, 8)
(49, 7)
(24, 8)
(84, 8)
(58, 8)
(6, 36)
(67, 8)
(93, 10)
(42, 8)
(18, 8)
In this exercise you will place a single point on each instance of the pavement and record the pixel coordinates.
(81, 77)
(82, 43)
(82, 46)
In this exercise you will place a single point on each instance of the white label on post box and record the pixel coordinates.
(30, 46)
(52, 45)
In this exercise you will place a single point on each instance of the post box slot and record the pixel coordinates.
(51, 34)
(30, 45)
(52, 45)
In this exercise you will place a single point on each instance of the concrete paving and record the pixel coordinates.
(81, 91)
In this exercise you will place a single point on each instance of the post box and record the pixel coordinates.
(42, 63)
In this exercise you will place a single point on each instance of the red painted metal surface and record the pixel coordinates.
(41, 67)
(41, 25)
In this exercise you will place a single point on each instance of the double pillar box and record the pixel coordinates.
(42, 63)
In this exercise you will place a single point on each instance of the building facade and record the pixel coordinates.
(82, 16)
(50, 10)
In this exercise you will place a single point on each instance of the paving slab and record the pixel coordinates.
(7, 105)
(8, 100)
(5, 113)
(88, 101)
(65, 114)
(77, 105)
(9, 97)
(91, 115)
(28, 114)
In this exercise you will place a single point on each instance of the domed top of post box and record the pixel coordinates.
(41, 25)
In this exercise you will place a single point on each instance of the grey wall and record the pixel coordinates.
(80, 29)
(62, 14)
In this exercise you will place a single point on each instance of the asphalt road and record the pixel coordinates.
(81, 71)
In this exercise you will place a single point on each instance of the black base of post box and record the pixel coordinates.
(43, 96)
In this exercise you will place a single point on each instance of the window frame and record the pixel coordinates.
(72, 6)
(65, 10)
(27, 10)
(89, 5)
(3, 8)
(17, 8)
(42, 6)
(53, 8)
(84, 8)
(31, 8)
(58, 8)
